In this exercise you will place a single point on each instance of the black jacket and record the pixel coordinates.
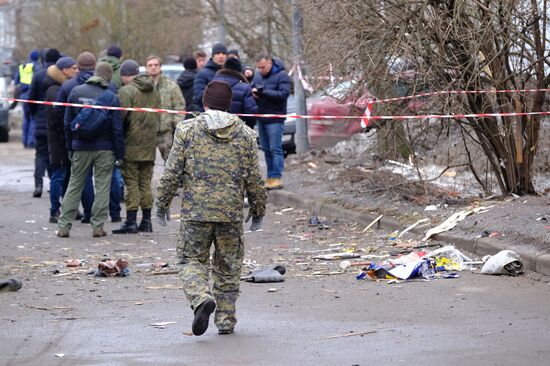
(56, 135)
(185, 82)
(276, 89)
(204, 76)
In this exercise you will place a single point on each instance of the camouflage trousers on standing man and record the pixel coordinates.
(193, 246)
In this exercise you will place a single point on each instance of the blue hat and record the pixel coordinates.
(34, 55)
(219, 48)
(114, 51)
(129, 68)
(65, 62)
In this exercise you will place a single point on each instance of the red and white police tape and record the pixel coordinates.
(365, 118)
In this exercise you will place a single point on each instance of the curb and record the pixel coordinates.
(534, 259)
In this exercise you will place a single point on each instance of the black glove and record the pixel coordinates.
(160, 214)
(256, 221)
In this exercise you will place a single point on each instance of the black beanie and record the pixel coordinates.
(129, 68)
(114, 51)
(219, 48)
(190, 63)
(217, 95)
(233, 63)
(52, 55)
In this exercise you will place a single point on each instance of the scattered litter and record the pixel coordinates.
(421, 221)
(345, 265)
(10, 284)
(161, 325)
(30, 222)
(287, 209)
(257, 231)
(431, 208)
(453, 220)
(505, 262)
(273, 289)
(350, 334)
(59, 355)
(73, 263)
(334, 256)
(110, 268)
(312, 165)
(372, 223)
(274, 273)
(163, 287)
(449, 256)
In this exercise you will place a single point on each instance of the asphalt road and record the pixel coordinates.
(318, 316)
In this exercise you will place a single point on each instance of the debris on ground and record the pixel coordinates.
(505, 262)
(10, 284)
(111, 268)
(274, 273)
(453, 220)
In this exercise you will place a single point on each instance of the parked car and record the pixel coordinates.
(172, 71)
(289, 130)
(4, 109)
(344, 99)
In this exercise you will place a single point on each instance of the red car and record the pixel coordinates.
(344, 99)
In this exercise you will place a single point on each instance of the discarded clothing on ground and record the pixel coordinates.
(110, 268)
(505, 262)
(10, 284)
(273, 273)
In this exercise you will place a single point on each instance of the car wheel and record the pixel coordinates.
(4, 135)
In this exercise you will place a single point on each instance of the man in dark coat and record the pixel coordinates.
(271, 88)
(242, 100)
(101, 153)
(38, 114)
(206, 75)
(65, 68)
(185, 82)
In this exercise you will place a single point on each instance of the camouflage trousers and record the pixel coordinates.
(137, 179)
(193, 247)
(164, 143)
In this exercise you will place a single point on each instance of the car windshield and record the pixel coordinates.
(338, 91)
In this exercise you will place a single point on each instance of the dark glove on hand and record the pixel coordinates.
(160, 214)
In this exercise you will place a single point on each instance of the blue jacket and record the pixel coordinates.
(204, 76)
(276, 89)
(37, 91)
(242, 100)
(86, 94)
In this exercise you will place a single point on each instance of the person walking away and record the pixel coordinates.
(101, 152)
(37, 91)
(242, 101)
(23, 80)
(64, 69)
(206, 75)
(171, 98)
(86, 63)
(216, 154)
(140, 131)
(271, 88)
(185, 82)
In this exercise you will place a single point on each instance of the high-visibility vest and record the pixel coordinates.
(25, 73)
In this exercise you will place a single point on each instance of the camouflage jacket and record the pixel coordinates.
(170, 98)
(217, 155)
(140, 128)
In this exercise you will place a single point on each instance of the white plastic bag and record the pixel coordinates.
(505, 262)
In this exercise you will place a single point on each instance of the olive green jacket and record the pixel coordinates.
(171, 98)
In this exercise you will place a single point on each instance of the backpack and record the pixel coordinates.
(91, 123)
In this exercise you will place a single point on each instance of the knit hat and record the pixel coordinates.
(219, 48)
(190, 63)
(233, 63)
(217, 95)
(65, 62)
(129, 68)
(86, 61)
(233, 52)
(34, 55)
(114, 51)
(52, 55)
(104, 71)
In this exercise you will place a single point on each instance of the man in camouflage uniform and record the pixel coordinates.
(217, 156)
(140, 130)
(171, 98)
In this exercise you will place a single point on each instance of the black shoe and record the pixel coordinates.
(145, 226)
(53, 220)
(116, 219)
(37, 192)
(225, 331)
(128, 227)
(202, 316)
(85, 220)
(79, 216)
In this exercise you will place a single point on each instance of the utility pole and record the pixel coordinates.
(221, 21)
(302, 143)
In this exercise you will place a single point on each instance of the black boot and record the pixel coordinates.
(129, 226)
(145, 225)
(37, 192)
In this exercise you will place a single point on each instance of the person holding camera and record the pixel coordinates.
(271, 88)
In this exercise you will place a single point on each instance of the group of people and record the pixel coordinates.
(212, 154)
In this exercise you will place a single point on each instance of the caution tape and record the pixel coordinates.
(365, 118)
